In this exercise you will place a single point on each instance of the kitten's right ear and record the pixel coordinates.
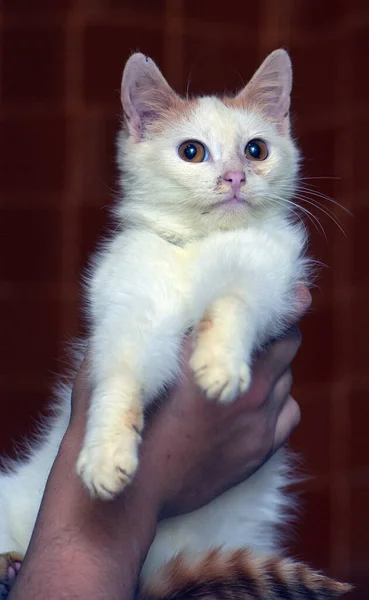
(145, 94)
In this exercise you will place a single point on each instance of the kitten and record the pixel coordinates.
(209, 243)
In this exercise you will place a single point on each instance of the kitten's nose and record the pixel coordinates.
(235, 178)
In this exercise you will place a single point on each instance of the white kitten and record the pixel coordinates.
(208, 239)
(208, 235)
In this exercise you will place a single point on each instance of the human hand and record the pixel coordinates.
(194, 450)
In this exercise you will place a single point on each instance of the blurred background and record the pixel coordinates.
(60, 71)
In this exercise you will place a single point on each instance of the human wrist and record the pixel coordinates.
(135, 510)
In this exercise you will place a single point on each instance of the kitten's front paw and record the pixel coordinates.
(107, 468)
(220, 375)
(10, 563)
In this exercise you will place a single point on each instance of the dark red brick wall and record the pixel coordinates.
(61, 64)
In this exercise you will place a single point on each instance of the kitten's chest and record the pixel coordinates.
(222, 244)
(228, 256)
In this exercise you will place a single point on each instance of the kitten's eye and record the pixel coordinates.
(256, 150)
(193, 151)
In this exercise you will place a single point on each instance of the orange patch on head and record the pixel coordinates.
(180, 110)
(241, 103)
(232, 102)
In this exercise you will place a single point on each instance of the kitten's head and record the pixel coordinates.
(206, 163)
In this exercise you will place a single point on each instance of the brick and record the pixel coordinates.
(311, 540)
(21, 7)
(99, 160)
(31, 242)
(360, 65)
(19, 409)
(30, 335)
(147, 6)
(33, 66)
(33, 154)
(315, 361)
(238, 12)
(360, 330)
(315, 423)
(106, 49)
(315, 79)
(359, 236)
(94, 221)
(219, 67)
(359, 161)
(359, 408)
(359, 519)
(314, 16)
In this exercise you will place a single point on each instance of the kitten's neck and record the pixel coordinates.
(189, 227)
(167, 226)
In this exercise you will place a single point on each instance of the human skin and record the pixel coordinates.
(192, 451)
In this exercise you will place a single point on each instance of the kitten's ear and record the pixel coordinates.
(270, 89)
(145, 94)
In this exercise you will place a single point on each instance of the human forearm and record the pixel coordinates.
(81, 547)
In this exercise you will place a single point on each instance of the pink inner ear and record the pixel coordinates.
(270, 88)
(145, 94)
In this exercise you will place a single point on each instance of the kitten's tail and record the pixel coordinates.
(239, 575)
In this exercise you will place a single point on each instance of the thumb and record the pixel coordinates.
(302, 303)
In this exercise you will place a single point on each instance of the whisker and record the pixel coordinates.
(306, 194)
(319, 194)
(189, 79)
(324, 177)
(312, 218)
(328, 214)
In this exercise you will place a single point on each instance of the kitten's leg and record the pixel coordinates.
(222, 349)
(251, 276)
(109, 456)
(141, 358)
(138, 309)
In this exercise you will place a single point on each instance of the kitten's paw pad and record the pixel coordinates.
(220, 378)
(108, 468)
(10, 563)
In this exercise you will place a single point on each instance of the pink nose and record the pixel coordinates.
(235, 178)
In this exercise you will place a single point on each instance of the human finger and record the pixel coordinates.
(288, 419)
(270, 365)
(280, 393)
(302, 303)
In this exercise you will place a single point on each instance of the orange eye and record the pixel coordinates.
(193, 151)
(256, 150)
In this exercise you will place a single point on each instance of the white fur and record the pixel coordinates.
(237, 266)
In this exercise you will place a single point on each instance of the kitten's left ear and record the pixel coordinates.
(269, 90)
(145, 94)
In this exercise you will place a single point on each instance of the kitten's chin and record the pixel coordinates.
(230, 205)
(227, 215)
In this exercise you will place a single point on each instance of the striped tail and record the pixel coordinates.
(239, 575)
